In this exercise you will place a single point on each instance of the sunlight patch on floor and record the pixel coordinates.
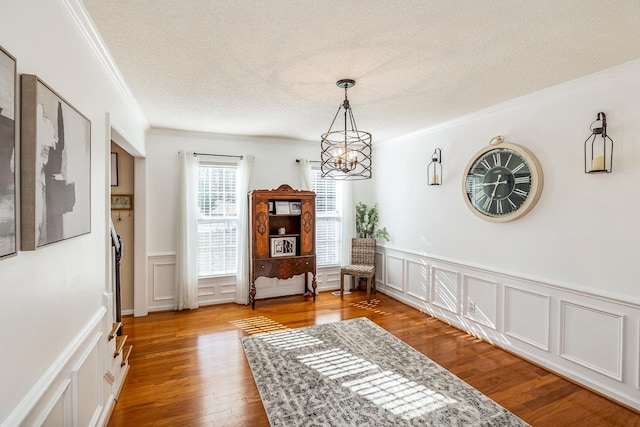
(290, 339)
(336, 363)
(258, 325)
(398, 394)
(371, 306)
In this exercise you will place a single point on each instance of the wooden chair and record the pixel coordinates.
(363, 264)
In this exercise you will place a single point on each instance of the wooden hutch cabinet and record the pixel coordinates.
(283, 236)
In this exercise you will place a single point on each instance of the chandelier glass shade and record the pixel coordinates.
(346, 153)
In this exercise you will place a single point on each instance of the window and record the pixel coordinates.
(328, 219)
(218, 220)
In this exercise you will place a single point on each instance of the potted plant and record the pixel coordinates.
(367, 222)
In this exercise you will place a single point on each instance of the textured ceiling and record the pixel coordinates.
(269, 67)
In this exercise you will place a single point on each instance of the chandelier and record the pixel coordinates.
(346, 153)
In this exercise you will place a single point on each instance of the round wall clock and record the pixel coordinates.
(502, 181)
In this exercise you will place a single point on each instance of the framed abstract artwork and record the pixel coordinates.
(8, 208)
(55, 167)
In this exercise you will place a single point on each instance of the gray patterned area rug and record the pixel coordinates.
(354, 373)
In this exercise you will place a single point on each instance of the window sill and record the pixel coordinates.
(217, 276)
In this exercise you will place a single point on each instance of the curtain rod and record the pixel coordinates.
(217, 155)
(310, 161)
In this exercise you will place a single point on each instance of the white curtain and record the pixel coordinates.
(304, 167)
(348, 220)
(187, 233)
(242, 200)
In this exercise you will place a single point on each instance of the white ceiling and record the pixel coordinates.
(269, 67)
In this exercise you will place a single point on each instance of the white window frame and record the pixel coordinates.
(336, 215)
(226, 219)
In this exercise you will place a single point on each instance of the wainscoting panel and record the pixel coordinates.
(86, 386)
(444, 289)
(58, 411)
(222, 289)
(70, 391)
(583, 334)
(162, 279)
(532, 328)
(592, 338)
(164, 282)
(480, 300)
(417, 280)
(380, 268)
(394, 272)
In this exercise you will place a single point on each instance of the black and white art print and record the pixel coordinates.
(56, 167)
(7, 154)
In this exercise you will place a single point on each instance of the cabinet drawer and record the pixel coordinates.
(263, 268)
(303, 265)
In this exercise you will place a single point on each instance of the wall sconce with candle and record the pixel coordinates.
(434, 169)
(598, 152)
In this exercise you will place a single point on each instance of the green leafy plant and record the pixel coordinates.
(367, 222)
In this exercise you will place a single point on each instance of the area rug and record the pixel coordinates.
(354, 373)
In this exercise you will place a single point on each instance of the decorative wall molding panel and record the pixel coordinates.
(591, 338)
(86, 396)
(532, 328)
(444, 289)
(70, 392)
(222, 289)
(58, 409)
(480, 301)
(417, 279)
(394, 270)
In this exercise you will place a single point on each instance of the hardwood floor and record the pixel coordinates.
(188, 368)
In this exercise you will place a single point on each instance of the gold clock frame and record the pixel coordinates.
(537, 180)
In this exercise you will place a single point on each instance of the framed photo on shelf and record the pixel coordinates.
(282, 208)
(283, 246)
(272, 210)
(295, 208)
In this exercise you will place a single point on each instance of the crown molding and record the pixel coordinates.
(88, 30)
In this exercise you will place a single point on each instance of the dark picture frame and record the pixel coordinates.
(282, 246)
(114, 169)
(8, 152)
(55, 167)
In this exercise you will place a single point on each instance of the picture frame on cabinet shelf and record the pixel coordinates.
(295, 208)
(283, 246)
(282, 208)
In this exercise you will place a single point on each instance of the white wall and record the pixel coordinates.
(53, 299)
(275, 164)
(558, 286)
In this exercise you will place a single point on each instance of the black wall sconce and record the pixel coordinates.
(598, 152)
(434, 169)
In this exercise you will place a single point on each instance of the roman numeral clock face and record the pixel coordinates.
(502, 182)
